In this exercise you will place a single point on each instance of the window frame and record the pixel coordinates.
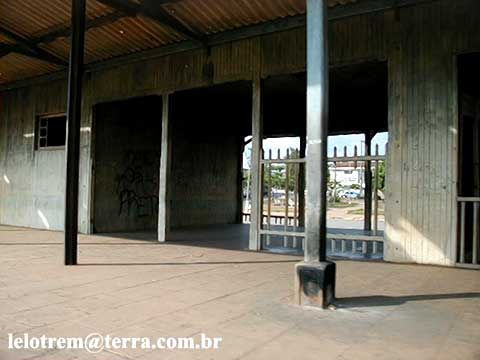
(38, 120)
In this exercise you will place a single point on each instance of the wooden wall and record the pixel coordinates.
(419, 43)
(422, 167)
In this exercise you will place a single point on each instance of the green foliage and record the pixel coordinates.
(334, 188)
(381, 175)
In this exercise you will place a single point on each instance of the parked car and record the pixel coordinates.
(351, 194)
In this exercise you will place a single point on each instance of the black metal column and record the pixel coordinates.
(75, 77)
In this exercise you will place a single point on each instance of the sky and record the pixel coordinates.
(339, 141)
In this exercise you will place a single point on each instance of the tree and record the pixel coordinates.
(381, 175)
(278, 173)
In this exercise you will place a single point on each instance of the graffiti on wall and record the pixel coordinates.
(137, 184)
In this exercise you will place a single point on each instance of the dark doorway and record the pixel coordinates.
(126, 165)
(469, 158)
(208, 130)
(469, 102)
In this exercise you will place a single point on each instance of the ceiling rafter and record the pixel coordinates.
(28, 47)
(90, 24)
(152, 10)
(52, 36)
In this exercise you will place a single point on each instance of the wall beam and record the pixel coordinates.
(74, 105)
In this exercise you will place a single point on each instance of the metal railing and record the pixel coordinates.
(373, 162)
(341, 243)
(283, 202)
(469, 228)
(290, 227)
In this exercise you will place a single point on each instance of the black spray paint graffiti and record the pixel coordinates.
(137, 185)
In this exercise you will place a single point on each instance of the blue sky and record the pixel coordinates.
(339, 141)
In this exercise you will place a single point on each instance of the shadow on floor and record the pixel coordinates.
(192, 263)
(224, 237)
(380, 300)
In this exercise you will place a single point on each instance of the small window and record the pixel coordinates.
(51, 131)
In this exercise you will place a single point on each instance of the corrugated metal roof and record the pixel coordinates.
(15, 66)
(35, 18)
(125, 36)
(31, 18)
(211, 16)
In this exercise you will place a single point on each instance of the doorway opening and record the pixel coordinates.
(468, 247)
(209, 126)
(126, 165)
(358, 135)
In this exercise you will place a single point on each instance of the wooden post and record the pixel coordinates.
(287, 214)
(367, 219)
(269, 204)
(256, 168)
(301, 183)
(375, 197)
(165, 172)
(315, 277)
(241, 148)
(75, 84)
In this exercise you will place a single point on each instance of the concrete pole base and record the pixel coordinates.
(315, 284)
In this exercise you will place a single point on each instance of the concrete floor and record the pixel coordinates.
(140, 288)
(235, 237)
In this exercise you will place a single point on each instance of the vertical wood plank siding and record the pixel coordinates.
(422, 189)
(419, 43)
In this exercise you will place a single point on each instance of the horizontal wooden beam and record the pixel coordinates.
(5, 50)
(152, 10)
(65, 31)
(337, 13)
(468, 199)
(59, 33)
(27, 47)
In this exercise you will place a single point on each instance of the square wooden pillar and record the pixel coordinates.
(164, 192)
(256, 166)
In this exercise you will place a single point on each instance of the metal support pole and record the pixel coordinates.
(367, 219)
(317, 130)
(315, 277)
(75, 78)
(256, 168)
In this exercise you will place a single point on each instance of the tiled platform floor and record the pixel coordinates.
(141, 288)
